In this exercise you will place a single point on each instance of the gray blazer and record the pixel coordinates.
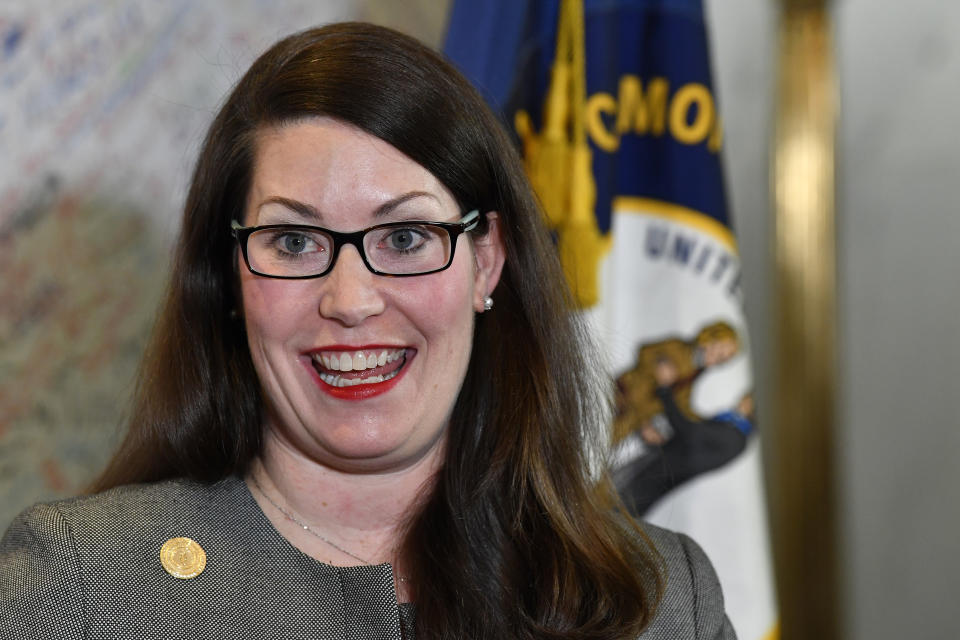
(90, 568)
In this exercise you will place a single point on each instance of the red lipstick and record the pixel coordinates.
(362, 391)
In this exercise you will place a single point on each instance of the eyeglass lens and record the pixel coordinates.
(397, 248)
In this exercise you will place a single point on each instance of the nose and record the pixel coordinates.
(350, 293)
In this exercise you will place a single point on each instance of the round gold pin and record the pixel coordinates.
(183, 558)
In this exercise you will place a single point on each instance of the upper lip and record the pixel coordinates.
(355, 347)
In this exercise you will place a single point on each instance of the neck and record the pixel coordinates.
(362, 513)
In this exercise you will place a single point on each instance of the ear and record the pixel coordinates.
(490, 254)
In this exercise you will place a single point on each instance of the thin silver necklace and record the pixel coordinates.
(289, 516)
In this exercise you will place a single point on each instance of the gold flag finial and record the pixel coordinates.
(559, 162)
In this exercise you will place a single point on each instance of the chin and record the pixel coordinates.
(382, 452)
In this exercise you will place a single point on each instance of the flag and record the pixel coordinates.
(612, 104)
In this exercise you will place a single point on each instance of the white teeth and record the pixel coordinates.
(358, 361)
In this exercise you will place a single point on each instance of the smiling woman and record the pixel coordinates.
(335, 432)
(349, 180)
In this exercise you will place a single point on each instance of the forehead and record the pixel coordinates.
(339, 170)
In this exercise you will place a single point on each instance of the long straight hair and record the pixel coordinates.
(516, 540)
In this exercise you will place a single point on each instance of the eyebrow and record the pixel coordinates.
(309, 211)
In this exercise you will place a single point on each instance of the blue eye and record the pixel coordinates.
(289, 243)
(404, 239)
(294, 242)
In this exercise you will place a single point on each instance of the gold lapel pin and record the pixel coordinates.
(183, 558)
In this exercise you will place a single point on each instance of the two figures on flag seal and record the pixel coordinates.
(660, 440)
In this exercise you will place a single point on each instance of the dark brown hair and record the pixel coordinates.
(516, 540)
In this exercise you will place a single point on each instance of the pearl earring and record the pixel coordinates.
(487, 303)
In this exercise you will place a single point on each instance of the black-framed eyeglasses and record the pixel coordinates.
(295, 252)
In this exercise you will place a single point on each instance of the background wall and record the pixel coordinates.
(899, 238)
(101, 110)
(898, 422)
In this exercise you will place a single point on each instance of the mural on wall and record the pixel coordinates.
(102, 106)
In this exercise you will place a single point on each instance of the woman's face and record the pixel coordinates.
(414, 333)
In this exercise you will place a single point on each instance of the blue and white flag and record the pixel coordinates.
(613, 105)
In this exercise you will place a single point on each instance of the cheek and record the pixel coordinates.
(271, 308)
(443, 308)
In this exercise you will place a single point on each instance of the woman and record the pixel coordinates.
(365, 411)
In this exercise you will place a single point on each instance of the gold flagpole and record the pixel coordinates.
(803, 496)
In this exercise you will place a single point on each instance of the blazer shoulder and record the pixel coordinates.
(126, 501)
(692, 602)
(41, 592)
(54, 554)
(52, 532)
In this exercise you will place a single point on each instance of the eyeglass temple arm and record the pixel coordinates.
(470, 220)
